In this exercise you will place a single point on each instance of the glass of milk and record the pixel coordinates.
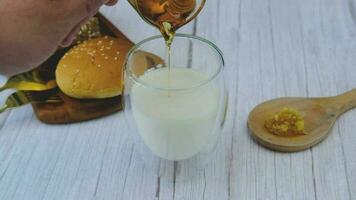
(175, 112)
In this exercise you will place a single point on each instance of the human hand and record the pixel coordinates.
(32, 30)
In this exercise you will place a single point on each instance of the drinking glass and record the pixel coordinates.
(175, 113)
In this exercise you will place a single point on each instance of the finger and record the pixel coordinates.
(111, 2)
(95, 4)
(71, 35)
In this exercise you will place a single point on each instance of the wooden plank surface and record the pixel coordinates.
(272, 48)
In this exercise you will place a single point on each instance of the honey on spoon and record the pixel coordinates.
(320, 114)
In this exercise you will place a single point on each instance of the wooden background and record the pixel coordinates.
(272, 48)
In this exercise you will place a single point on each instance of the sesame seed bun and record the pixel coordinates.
(93, 69)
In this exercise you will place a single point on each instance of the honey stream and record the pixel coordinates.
(167, 16)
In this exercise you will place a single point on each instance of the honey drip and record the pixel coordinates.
(167, 16)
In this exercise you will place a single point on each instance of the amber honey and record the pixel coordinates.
(166, 15)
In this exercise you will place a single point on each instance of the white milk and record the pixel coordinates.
(176, 125)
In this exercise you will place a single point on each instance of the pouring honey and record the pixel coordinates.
(168, 15)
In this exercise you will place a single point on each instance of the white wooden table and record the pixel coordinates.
(272, 48)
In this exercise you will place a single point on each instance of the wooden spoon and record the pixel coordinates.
(320, 115)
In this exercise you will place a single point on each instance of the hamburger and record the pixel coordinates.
(93, 69)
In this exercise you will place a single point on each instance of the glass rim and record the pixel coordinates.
(178, 35)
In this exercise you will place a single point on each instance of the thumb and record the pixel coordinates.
(95, 4)
(111, 2)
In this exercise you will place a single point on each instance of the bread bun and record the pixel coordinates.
(93, 69)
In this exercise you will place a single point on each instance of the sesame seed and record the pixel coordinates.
(106, 57)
